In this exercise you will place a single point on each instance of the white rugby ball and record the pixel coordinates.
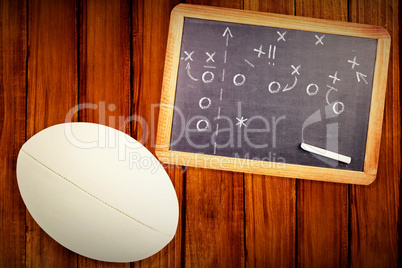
(98, 192)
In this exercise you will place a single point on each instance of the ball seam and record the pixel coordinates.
(93, 196)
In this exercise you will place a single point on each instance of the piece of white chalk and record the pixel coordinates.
(326, 153)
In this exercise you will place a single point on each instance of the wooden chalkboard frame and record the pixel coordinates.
(281, 21)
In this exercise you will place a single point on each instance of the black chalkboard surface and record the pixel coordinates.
(258, 92)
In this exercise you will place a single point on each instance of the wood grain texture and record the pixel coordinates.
(270, 202)
(52, 92)
(280, 7)
(13, 53)
(270, 208)
(322, 224)
(153, 23)
(105, 33)
(218, 3)
(224, 221)
(137, 36)
(322, 208)
(214, 219)
(150, 21)
(214, 202)
(374, 209)
(105, 63)
(377, 106)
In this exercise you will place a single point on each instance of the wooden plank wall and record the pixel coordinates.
(324, 206)
(109, 55)
(13, 55)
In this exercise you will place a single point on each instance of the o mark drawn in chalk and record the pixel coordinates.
(338, 111)
(312, 93)
(243, 80)
(202, 100)
(199, 127)
(277, 85)
(206, 81)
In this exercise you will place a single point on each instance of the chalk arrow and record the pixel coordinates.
(361, 76)
(227, 33)
(289, 88)
(188, 68)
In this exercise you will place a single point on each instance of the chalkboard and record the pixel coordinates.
(275, 96)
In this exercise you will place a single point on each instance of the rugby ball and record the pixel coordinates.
(98, 192)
